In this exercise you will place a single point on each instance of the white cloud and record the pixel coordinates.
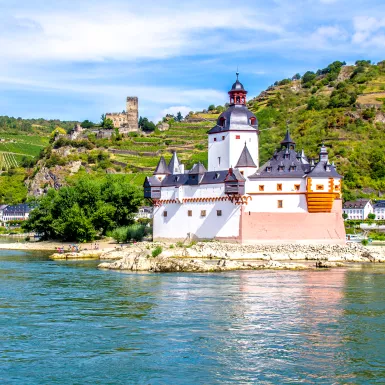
(111, 33)
(368, 31)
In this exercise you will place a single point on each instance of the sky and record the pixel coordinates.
(75, 60)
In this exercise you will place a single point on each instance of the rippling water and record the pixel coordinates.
(68, 323)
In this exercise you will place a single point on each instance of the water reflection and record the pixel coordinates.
(67, 322)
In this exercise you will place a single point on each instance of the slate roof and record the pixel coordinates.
(379, 204)
(237, 86)
(284, 164)
(198, 169)
(17, 209)
(324, 169)
(237, 118)
(234, 175)
(162, 167)
(174, 165)
(245, 160)
(358, 204)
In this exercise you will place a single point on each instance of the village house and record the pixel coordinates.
(359, 209)
(14, 212)
(379, 209)
(288, 199)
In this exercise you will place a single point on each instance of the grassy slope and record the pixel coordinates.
(353, 133)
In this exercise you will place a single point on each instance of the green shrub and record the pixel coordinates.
(365, 242)
(157, 251)
(135, 232)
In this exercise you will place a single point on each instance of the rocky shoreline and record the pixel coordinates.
(217, 256)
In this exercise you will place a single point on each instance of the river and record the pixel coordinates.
(69, 323)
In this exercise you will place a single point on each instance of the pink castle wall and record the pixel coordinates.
(325, 228)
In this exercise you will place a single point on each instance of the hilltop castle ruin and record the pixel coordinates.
(126, 121)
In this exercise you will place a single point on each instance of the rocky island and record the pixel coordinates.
(217, 257)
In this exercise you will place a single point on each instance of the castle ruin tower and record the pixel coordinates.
(132, 112)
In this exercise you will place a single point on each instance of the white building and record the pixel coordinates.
(14, 213)
(145, 212)
(288, 199)
(359, 209)
(379, 210)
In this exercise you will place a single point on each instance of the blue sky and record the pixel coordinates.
(75, 60)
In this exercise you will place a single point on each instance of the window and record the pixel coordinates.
(279, 186)
(280, 204)
(238, 137)
(165, 214)
(261, 187)
(242, 172)
(215, 139)
(203, 213)
(189, 213)
(223, 138)
(219, 160)
(337, 187)
(219, 213)
(297, 187)
(319, 187)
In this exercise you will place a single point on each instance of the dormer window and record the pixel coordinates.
(281, 168)
(253, 121)
(287, 156)
(222, 122)
(268, 169)
(293, 168)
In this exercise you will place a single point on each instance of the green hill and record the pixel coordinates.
(343, 106)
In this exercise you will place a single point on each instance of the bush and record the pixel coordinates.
(157, 251)
(365, 242)
(135, 232)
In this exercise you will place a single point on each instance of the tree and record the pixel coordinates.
(211, 107)
(345, 216)
(90, 207)
(371, 216)
(108, 124)
(146, 125)
(308, 78)
(179, 117)
(87, 124)
(58, 131)
(296, 77)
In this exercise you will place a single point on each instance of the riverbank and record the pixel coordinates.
(218, 256)
(55, 245)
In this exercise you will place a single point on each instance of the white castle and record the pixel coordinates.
(288, 200)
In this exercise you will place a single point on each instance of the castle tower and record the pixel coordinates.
(132, 112)
(236, 129)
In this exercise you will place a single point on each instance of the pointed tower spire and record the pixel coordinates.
(245, 160)
(174, 165)
(287, 141)
(162, 168)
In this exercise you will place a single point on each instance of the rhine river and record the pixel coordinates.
(69, 323)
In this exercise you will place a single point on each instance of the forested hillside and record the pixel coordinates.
(342, 106)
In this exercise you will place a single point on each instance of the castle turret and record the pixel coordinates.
(234, 126)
